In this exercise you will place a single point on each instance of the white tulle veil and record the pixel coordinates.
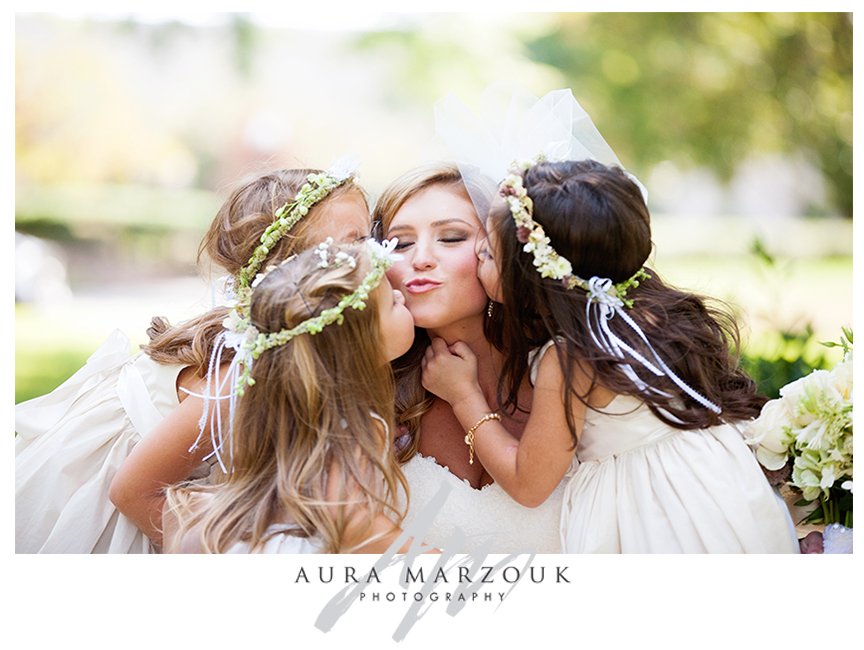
(513, 125)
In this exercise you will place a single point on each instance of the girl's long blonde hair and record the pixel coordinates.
(228, 244)
(311, 443)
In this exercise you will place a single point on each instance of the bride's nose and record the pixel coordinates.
(423, 256)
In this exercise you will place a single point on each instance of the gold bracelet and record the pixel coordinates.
(469, 437)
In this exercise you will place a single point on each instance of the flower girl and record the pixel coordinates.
(308, 458)
(633, 375)
(120, 428)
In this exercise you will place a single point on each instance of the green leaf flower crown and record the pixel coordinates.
(249, 343)
(317, 187)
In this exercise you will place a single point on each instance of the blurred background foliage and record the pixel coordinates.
(131, 128)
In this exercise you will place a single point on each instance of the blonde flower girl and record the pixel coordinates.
(308, 457)
(92, 457)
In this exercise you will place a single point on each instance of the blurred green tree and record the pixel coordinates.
(708, 88)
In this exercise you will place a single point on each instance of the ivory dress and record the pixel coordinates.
(71, 442)
(638, 485)
(477, 521)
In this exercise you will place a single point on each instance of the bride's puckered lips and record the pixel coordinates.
(421, 285)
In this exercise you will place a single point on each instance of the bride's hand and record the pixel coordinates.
(450, 372)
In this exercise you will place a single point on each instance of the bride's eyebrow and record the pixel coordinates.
(435, 224)
(447, 222)
(405, 228)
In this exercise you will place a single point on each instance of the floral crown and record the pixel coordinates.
(252, 342)
(316, 188)
(605, 298)
(548, 262)
(248, 343)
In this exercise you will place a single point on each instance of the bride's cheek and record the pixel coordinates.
(395, 275)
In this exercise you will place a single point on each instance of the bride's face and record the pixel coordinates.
(438, 231)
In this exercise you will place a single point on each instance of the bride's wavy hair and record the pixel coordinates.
(597, 219)
(311, 444)
(228, 244)
(412, 400)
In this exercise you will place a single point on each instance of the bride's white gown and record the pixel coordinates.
(477, 521)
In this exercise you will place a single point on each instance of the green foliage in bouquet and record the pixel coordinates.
(806, 436)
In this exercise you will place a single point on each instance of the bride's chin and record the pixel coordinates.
(428, 317)
(430, 321)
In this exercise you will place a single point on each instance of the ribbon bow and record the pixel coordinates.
(602, 306)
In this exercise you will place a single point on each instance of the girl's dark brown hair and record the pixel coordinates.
(596, 218)
(228, 244)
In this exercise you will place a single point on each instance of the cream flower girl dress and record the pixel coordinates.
(70, 443)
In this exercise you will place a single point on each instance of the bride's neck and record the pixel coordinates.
(489, 360)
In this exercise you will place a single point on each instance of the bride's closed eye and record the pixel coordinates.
(453, 237)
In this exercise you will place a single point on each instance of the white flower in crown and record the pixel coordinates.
(557, 268)
(538, 243)
(234, 322)
(343, 168)
(341, 258)
(546, 260)
(260, 276)
(384, 250)
(323, 252)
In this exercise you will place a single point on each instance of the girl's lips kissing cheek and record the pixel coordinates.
(421, 285)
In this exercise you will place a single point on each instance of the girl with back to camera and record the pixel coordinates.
(309, 458)
(635, 376)
(93, 457)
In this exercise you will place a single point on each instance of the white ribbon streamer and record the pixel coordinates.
(601, 307)
(241, 358)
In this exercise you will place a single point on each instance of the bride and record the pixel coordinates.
(431, 213)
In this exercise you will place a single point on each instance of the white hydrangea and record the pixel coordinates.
(811, 422)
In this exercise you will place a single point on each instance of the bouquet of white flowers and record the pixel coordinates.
(804, 438)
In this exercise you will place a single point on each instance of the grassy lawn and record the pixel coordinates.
(802, 292)
(46, 355)
(52, 343)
